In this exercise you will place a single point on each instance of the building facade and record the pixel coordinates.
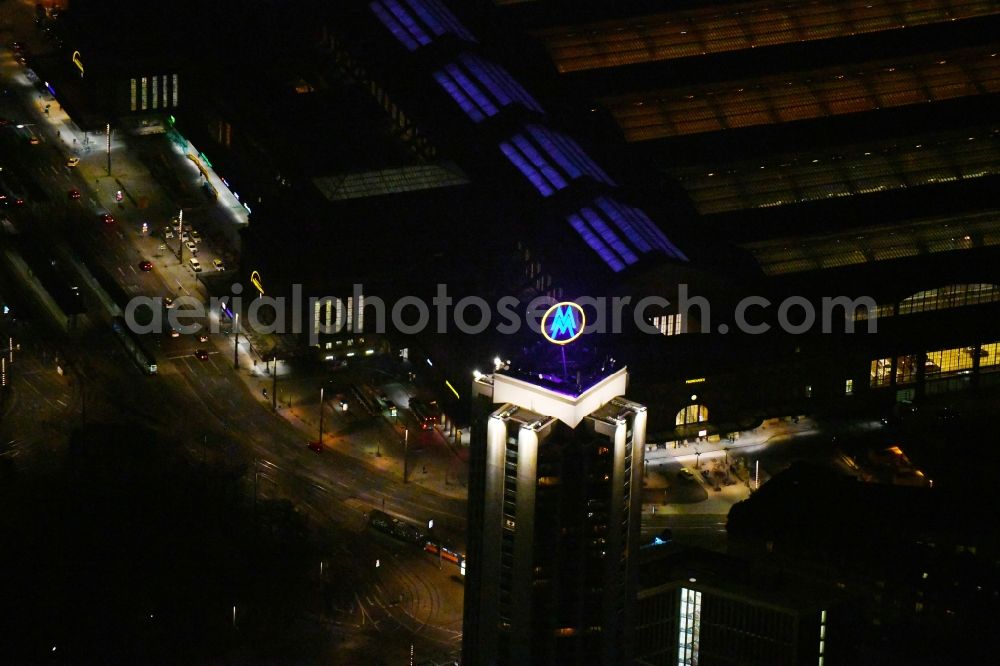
(556, 512)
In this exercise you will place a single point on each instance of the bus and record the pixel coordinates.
(427, 413)
(133, 345)
(445, 552)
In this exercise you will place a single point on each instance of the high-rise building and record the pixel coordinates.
(700, 607)
(554, 511)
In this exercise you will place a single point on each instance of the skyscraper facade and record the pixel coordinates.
(554, 515)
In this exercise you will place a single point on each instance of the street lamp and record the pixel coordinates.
(321, 416)
(236, 341)
(406, 456)
(274, 386)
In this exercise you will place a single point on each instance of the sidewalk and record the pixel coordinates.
(702, 455)
(377, 443)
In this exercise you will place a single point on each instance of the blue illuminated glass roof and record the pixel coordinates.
(589, 237)
(554, 156)
(619, 233)
(481, 88)
(526, 168)
(638, 228)
(417, 23)
(568, 154)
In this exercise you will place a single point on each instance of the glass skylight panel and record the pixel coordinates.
(609, 236)
(439, 17)
(452, 88)
(503, 86)
(657, 238)
(414, 23)
(544, 139)
(472, 90)
(408, 21)
(595, 243)
(525, 167)
(573, 149)
(390, 22)
(529, 151)
(567, 154)
(615, 213)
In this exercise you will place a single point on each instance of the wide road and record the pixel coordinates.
(206, 407)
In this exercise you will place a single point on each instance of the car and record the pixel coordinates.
(185, 236)
(203, 337)
(343, 403)
(16, 46)
(74, 194)
(201, 355)
(168, 232)
(174, 333)
(192, 246)
(72, 161)
(34, 140)
(107, 218)
(219, 264)
(145, 265)
(168, 302)
(195, 236)
(686, 474)
(315, 446)
(195, 265)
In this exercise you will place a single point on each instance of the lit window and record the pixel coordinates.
(881, 372)
(156, 92)
(689, 629)
(143, 83)
(906, 369)
(691, 414)
(849, 387)
(946, 361)
(175, 89)
(952, 296)
(672, 324)
(132, 95)
(989, 356)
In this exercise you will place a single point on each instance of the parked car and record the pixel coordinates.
(195, 265)
(72, 161)
(686, 474)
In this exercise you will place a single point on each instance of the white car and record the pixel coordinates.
(73, 161)
(195, 265)
(192, 246)
(195, 236)
(168, 232)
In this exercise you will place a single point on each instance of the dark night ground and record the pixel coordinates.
(116, 532)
